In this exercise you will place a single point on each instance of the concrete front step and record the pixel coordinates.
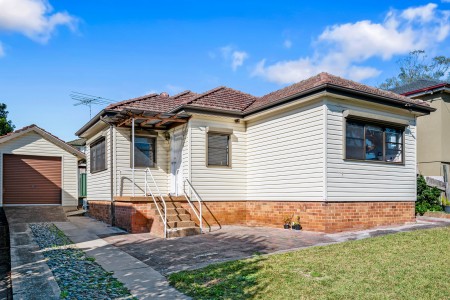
(169, 204)
(184, 231)
(179, 217)
(180, 224)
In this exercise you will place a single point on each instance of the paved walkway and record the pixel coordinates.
(143, 281)
(30, 275)
(236, 242)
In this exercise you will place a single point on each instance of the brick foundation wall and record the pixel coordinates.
(137, 217)
(100, 210)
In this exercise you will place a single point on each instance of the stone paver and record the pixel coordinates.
(142, 281)
(236, 242)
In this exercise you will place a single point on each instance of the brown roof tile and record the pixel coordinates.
(153, 102)
(326, 79)
(227, 99)
(223, 98)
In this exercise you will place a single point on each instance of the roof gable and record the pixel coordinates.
(45, 134)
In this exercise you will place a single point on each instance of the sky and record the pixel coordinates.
(124, 49)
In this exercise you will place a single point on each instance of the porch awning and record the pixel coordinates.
(148, 119)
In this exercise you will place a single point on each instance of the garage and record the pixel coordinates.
(29, 179)
(37, 168)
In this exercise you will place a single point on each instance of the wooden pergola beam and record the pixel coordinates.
(172, 120)
(147, 119)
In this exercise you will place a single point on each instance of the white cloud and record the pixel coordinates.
(238, 58)
(342, 48)
(33, 18)
(423, 13)
(2, 50)
(287, 44)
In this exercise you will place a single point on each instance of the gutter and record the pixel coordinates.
(329, 88)
(442, 85)
(417, 107)
(94, 120)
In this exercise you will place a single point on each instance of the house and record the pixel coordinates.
(37, 168)
(339, 154)
(433, 155)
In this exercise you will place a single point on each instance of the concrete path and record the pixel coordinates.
(143, 281)
(30, 275)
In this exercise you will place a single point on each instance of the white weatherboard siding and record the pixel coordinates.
(99, 183)
(368, 181)
(285, 156)
(160, 172)
(218, 183)
(34, 144)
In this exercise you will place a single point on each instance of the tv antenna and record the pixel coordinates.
(89, 100)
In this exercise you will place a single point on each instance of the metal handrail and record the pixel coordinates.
(164, 218)
(192, 205)
(125, 171)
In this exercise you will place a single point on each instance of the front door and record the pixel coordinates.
(176, 172)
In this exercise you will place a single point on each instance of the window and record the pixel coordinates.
(144, 152)
(373, 142)
(218, 149)
(98, 156)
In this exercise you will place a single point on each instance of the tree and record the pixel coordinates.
(6, 125)
(416, 66)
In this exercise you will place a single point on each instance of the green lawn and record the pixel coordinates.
(410, 265)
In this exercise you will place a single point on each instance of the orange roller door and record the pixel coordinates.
(31, 179)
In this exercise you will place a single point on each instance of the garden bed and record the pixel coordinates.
(78, 276)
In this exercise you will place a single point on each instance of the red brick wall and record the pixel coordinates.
(100, 210)
(314, 216)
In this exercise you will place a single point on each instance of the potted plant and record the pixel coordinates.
(296, 225)
(287, 222)
(446, 204)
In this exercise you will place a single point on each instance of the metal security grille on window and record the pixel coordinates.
(144, 152)
(373, 142)
(218, 149)
(98, 156)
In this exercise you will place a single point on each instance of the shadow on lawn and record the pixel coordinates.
(232, 280)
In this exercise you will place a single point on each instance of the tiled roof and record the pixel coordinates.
(153, 102)
(418, 85)
(223, 98)
(326, 79)
(56, 139)
(230, 100)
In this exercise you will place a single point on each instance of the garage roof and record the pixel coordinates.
(46, 135)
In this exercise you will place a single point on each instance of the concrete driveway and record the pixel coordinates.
(29, 272)
(236, 242)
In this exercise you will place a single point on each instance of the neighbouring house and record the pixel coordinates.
(340, 154)
(433, 144)
(37, 168)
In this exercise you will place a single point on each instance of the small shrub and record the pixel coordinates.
(428, 198)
